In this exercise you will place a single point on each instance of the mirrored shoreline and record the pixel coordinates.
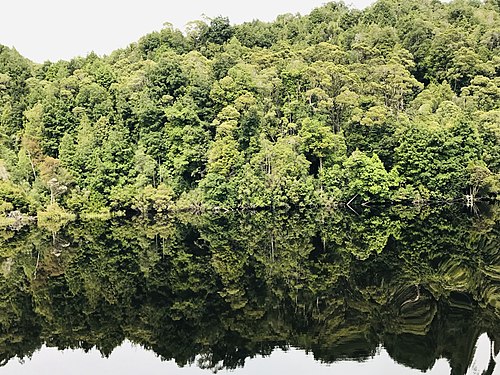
(418, 287)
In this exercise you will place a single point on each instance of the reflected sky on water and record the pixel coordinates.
(129, 359)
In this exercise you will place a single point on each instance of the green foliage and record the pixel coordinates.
(54, 217)
(435, 159)
(286, 113)
(482, 180)
(318, 140)
(13, 198)
(218, 32)
(367, 177)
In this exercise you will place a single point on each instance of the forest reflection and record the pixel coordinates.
(218, 289)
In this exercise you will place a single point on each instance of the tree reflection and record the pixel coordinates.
(217, 289)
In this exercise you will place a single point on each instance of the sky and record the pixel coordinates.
(62, 29)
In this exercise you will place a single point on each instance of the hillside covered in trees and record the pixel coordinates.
(396, 103)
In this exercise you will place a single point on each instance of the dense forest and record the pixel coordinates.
(399, 102)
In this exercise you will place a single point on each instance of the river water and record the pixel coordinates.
(392, 291)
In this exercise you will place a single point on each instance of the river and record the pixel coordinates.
(390, 291)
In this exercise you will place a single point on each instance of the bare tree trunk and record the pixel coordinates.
(36, 265)
(320, 173)
(31, 162)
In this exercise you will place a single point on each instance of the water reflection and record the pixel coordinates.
(218, 290)
(129, 359)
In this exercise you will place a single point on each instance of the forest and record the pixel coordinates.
(397, 103)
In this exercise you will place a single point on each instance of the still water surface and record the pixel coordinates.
(130, 360)
(399, 291)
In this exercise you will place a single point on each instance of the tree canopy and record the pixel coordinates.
(399, 102)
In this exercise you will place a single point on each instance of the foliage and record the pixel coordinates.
(54, 217)
(391, 103)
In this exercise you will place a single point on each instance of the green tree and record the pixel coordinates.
(367, 178)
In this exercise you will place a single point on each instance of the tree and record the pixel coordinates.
(264, 114)
(434, 159)
(481, 181)
(318, 139)
(367, 178)
(219, 31)
(224, 161)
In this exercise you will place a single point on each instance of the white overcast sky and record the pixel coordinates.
(62, 29)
